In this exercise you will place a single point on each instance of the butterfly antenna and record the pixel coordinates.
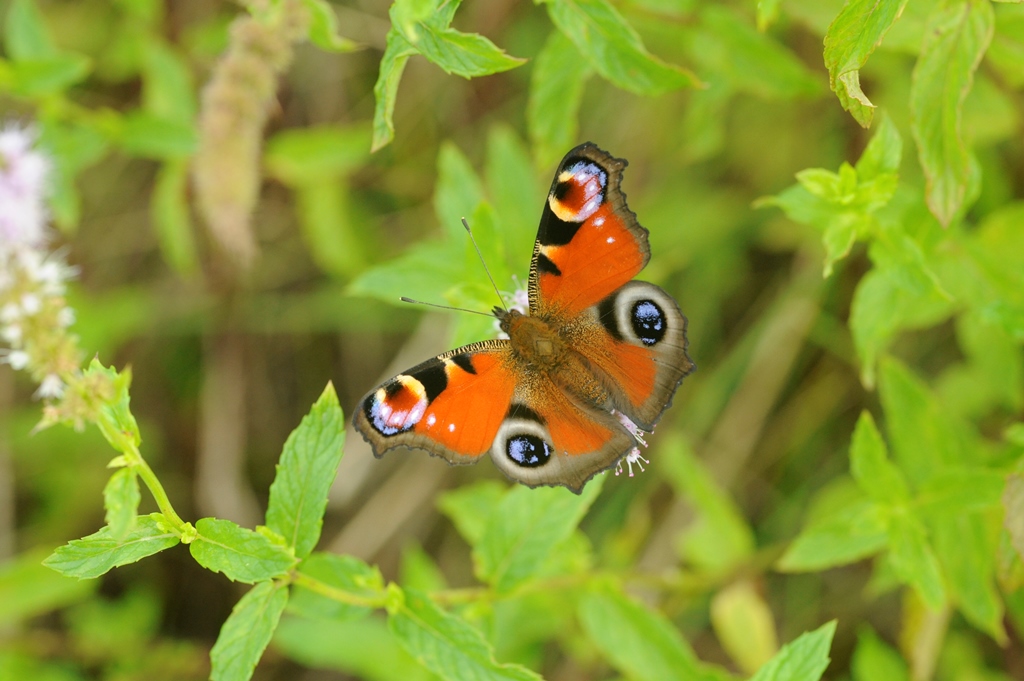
(484, 263)
(444, 307)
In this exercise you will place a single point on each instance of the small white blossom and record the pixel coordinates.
(24, 174)
(11, 333)
(31, 304)
(51, 387)
(18, 359)
(634, 457)
(66, 317)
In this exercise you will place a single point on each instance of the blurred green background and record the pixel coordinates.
(226, 359)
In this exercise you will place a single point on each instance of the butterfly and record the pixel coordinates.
(595, 351)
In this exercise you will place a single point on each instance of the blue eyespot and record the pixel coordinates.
(528, 451)
(648, 322)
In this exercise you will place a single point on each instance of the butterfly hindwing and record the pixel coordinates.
(589, 242)
(451, 405)
(636, 344)
(548, 438)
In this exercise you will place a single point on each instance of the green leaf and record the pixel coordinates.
(883, 153)
(1013, 502)
(365, 649)
(925, 439)
(443, 643)
(346, 575)
(168, 92)
(748, 59)
(869, 463)
(37, 78)
(121, 499)
(955, 41)
(169, 209)
(29, 589)
(241, 554)
(556, 91)
(614, 48)
(26, 36)
(719, 539)
(308, 464)
(247, 631)
(744, 625)
(149, 136)
(839, 237)
(856, 532)
(959, 490)
(100, 552)
(874, 660)
(914, 561)
(465, 54)
(639, 642)
(470, 507)
(385, 91)
(966, 547)
(516, 194)
(458, 191)
(323, 28)
(525, 528)
(1006, 53)
(804, 659)
(115, 418)
(430, 269)
(301, 156)
(850, 40)
(419, 571)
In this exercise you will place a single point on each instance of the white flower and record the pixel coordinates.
(66, 317)
(51, 387)
(23, 180)
(11, 333)
(18, 359)
(634, 457)
(30, 304)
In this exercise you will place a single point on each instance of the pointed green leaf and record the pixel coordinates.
(556, 91)
(955, 41)
(914, 561)
(525, 528)
(385, 91)
(465, 54)
(311, 155)
(514, 189)
(26, 36)
(1013, 501)
(639, 642)
(323, 28)
(241, 554)
(870, 465)
(100, 552)
(309, 462)
(856, 532)
(614, 48)
(804, 659)
(115, 418)
(247, 631)
(121, 499)
(883, 153)
(167, 88)
(150, 136)
(445, 644)
(744, 625)
(966, 546)
(458, 191)
(470, 507)
(850, 40)
(873, 659)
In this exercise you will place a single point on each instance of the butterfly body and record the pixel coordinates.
(548, 402)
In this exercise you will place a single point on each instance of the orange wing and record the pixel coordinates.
(589, 242)
(451, 405)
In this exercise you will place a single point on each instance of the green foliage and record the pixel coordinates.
(869, 417)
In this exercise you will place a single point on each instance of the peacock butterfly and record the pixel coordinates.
(548, 401)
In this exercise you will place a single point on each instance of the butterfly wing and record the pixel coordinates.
(451, 406)
(635, 343)
(589, 242)
(550, 439)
